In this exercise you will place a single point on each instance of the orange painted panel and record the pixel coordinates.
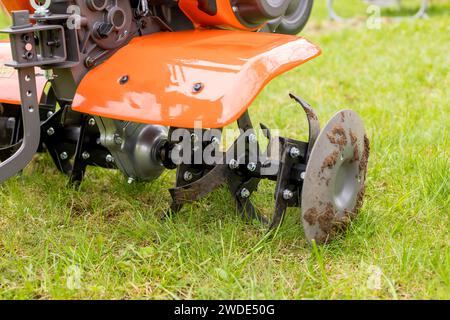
(229, 67)
(9, 82)
(224, 18)
(11, 5)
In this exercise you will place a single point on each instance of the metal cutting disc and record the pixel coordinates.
(333, 186)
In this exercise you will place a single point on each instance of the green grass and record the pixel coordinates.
(107, 239)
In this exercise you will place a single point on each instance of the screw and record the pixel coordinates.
(91, 122)
(197, 87)
(124, 80)
(187, 176)
(294, 152)
(287, 194)
(50, 114)
(63, 155)
(118, 139)
(233, 164)
(85, 155)
(215, 140)
(251, 166)
(245, 193)
(252, 138)
(194, 137)
(50, 131)
(303, 175)
(109, 158)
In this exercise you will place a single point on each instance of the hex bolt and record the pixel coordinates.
(123, 80)
(245, 193)
(294, 152)
(187, 176)
(215, 140)
(197, 87)
(109, 158)
(233, 164)
(303, 175)
(64, 155)
(252, 138)
(251, 166)
(50, 131)
(287, 194)
(91, 122)
(118, 139)
(194, 137)
(85, 155)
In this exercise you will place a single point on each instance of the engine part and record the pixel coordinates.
(134, 147)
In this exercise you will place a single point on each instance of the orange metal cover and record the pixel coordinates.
(224, 18)
(11, 5)
(229, 67)
(9, 82)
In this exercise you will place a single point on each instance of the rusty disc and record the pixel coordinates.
(333, 186)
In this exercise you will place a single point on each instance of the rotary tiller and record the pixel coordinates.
(144, 86)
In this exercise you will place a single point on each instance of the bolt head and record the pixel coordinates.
(194, 137)
(64, 155)
(233, 164)
(109, 158)
(197, 87)
(85, 155)
(91, 122)
(245, 193)
(50, 114)
(187, 176)
(252, 138)
(50, 131)
(287, 194)
(294, 152)
(251, 166)
(118, 139)
(215, 140)
(303, 175)
(124, 79)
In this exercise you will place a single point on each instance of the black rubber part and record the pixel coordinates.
(295, 19)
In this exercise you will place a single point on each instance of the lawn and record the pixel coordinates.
(108, 239)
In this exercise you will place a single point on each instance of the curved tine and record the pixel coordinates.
(313, 121)
(200, 188)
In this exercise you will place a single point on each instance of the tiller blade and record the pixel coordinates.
(325, 176)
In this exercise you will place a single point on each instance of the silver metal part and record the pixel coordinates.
(134, 147)
(294, 152)
(245, 193)
(287, 194)
(50, 131)
(233, 164)
(251, 166)
(333, 185)
(187, 176)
